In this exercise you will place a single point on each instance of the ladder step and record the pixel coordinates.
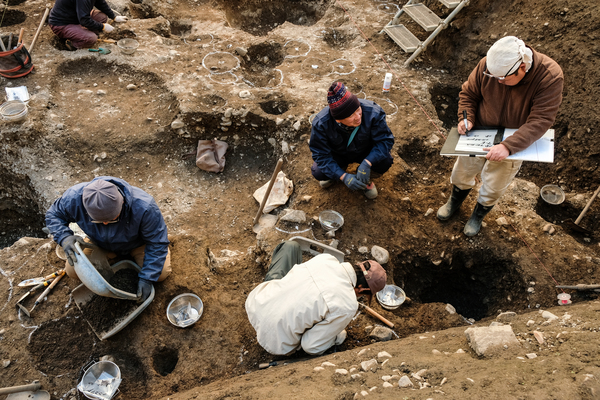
(403, 37)
(423, 16)
(450, 3)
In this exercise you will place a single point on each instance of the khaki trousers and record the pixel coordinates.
(138, 256)
(496, 176)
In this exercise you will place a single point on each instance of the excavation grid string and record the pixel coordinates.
(436, 127)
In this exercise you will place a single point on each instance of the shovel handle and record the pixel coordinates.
(49, 288)
(37, 33)
(587, 206)
(375, 314)
(21, 36)
(268, 192)
(23, 388)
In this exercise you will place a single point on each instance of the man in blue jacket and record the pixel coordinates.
(118, 218)
(350, 131)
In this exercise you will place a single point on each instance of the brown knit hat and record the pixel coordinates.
(102, 200)
(375, 276)
(342, 103)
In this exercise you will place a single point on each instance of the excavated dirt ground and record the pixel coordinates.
(85, 120)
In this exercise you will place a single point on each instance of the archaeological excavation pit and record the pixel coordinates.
(259, 17)
(20, 213)
(476, 283)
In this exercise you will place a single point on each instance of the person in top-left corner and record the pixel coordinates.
(120, 219)
(79, 22)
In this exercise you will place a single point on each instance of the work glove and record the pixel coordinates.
(121, 18)
(108, 28)
(68, 245)
(363, 173)
(144, 290)
(353, 183)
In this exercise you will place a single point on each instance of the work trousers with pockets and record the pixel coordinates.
(496, 176)
(79, 36)
(285, 256)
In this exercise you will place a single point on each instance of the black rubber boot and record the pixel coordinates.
(453, 204)
(474, 223)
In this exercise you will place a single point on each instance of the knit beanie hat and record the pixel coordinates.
(504, 55)
(102, 200)
(342, 103)
(375, 276)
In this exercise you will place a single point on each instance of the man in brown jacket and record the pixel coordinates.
(514, 87)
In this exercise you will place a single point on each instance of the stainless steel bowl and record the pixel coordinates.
(391, 297)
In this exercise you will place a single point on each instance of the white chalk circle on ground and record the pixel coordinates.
(342, 66)
(224, 78)
(219, 62)
(316, 66)
(275, 80)
(388, 106)
(388, 8)
(296, 48)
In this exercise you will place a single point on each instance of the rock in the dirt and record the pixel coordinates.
(5, 363)
(530, 322)
(405, 382)
(327, 364)
(241, 51)
(381, 334)
(107, 357)
(317, 369)
(531, 355)
(383, 354)
(387, 385)
(380, 254)
(506, 317)
(539, 336)
(297, 125)
(429, 212)
(549, 316)
(245, 94)
(297, 216)
(177, 124)
(502, 221)
(285, 147)
(341, 371)
(482, 339)
(369, 365)
(450, 308)
(131, 86)
(363, 249)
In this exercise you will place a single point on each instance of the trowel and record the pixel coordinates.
(25, 392)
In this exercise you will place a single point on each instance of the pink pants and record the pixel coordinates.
(79, 36)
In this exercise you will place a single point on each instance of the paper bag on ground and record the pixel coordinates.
(281, 191)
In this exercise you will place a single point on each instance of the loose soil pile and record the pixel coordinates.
(252, 73)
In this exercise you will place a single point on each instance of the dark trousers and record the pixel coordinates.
(381, 167)
(79, 36)
(285, 256)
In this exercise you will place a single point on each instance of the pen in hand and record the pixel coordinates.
(466, 122)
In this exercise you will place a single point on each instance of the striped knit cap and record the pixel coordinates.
(342, 103)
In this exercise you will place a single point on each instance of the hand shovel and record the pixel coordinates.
(37, 281)
(575, 225)
(100, 50)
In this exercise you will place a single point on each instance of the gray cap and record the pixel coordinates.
(102, 200)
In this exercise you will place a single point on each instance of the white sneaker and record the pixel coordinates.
(339, 339)
(326, 184)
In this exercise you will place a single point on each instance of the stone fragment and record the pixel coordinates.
(530, 322)
(387, 385)
(460, 351)
(369, 365)
(429, 212)
(539, 336)
(285, 147)
(5, 363)
(363, 351)
(327, 364)
(548, 315)
(363, 249)
(381, 255)
(405, 382)
(241, 51)
(245, 94)
(531, 355)
(436, 352)
(341, 371)
(386, 378)
(297, 125)
(317, 369)
(502, 221)
(450, 308)
(383, 354)
(297, 216)
(355, 376)
(506, 317)
(381, 334)
(177, 124)
(131, 86)
(482, 339)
